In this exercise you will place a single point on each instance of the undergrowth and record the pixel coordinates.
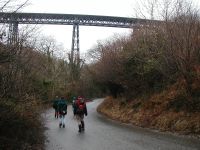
(20, 125)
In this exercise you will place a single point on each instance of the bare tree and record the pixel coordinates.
(12, 5)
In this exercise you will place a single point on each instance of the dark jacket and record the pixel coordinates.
(55, 104)
(80, 108)
(62, 107)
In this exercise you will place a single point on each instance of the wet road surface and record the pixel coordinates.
(104, 134)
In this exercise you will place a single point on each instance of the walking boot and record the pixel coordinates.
(82, 125)
(79, 128)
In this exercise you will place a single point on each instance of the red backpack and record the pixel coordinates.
(81, 106)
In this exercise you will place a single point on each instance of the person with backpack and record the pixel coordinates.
(80, 111)
(73, 105)
(55, 106)
(62, 108)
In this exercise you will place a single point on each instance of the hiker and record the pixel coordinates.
(55, 106)
(73, 105)
(80, 111)
(62, 108)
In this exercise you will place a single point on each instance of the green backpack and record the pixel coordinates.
(62, 105)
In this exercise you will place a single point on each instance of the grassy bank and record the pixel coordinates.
(169, 110)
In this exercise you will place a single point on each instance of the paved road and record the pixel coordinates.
(104, 134)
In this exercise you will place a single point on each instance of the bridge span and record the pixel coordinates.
(14, 19)
(70, 19)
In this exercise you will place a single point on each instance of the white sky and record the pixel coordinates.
(88, 35)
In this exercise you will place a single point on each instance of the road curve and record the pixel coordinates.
(104, 134)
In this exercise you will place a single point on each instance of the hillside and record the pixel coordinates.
(169, 110)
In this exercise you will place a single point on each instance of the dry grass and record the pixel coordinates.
(165, 111)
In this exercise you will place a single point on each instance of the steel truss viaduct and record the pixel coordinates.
(13, 19)
(67, 19)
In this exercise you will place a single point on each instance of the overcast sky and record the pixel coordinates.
(88, 35)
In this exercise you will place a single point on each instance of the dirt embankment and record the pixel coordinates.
(166, 111)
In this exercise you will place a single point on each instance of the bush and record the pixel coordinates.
(20, 126)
